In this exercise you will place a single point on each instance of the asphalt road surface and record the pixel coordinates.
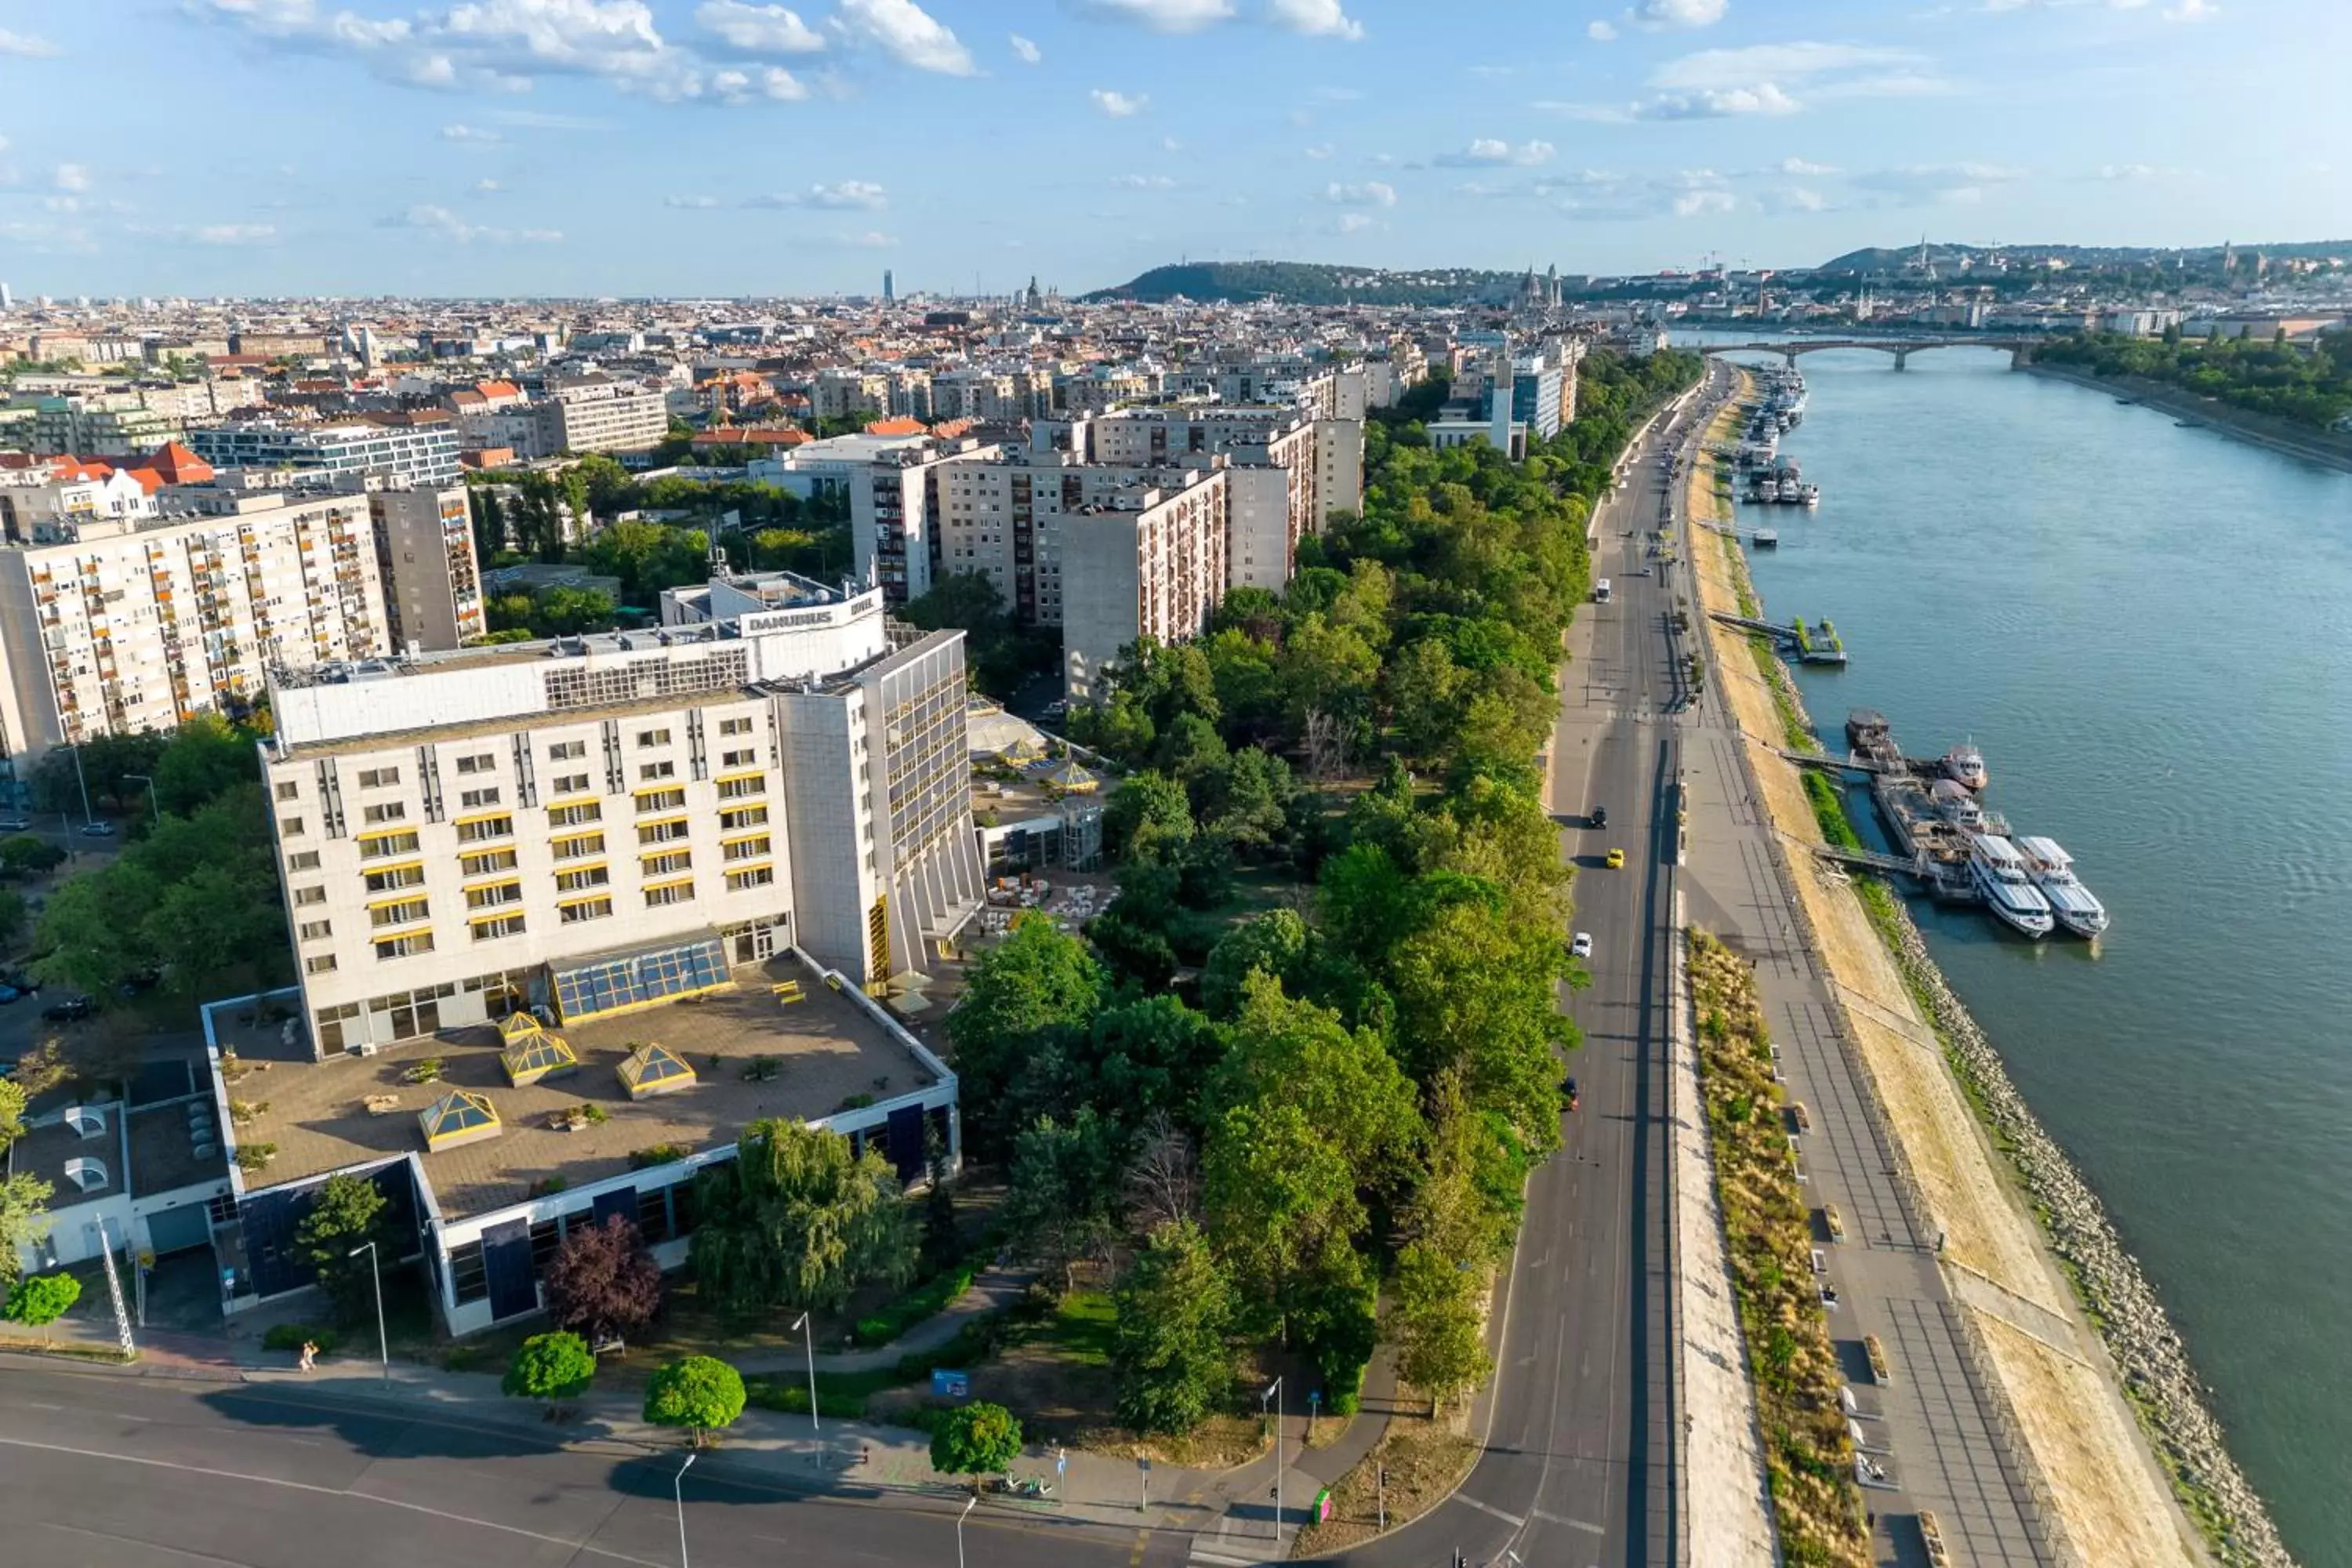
(1579, 1466)
(102, 1470)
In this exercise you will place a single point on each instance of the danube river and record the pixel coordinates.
(2148, 631)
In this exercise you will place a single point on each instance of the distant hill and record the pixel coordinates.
(1315, 283)
(1891, 259)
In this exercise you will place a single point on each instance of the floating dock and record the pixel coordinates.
(1815, 643)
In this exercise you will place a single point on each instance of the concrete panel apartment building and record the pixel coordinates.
(426, 453)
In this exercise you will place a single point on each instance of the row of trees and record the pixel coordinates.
(1352, 1089)
(2307, 385)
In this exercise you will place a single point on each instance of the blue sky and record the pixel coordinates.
(725, 147)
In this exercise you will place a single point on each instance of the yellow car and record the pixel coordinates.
(1616, 859)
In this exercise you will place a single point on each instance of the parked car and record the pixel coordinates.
(14, 825)
(10, 993)
(72, 1010)
(1583, 946)
(95, 829)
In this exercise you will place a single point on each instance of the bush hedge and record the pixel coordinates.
(927, 1299)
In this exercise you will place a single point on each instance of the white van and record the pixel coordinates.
(1601, 591)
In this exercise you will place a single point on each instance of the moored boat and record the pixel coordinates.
(1999, 872)
(2052, 872)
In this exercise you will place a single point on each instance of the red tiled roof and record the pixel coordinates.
(178, 466)
(899, 427)
(497, 389)
(148, 479)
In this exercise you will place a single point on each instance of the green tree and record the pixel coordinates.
(206, 758)
(700, 1393)
(1148, 816)
(1274, 943)
(345, 1213)
(795, 1221)
(1439, 1347)
(13, 912)
(1059, 1205)
(976, 1440)
(552, 1367)
(28, 854)
(24, 1219)
(42, 1300)
(12, 1111)
(1175, 1307)
(1022, 999)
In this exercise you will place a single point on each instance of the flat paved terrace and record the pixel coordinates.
(825, 1052)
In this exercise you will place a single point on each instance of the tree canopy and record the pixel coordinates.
(795, 1221)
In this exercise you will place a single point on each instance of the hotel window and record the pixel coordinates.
(378, 778)
(667, 831)
(399, 912)
(482, 862)
(572, 784)
(495, 896)
(582, 879)
(579, 845)
(669, 893)
(751, 877)
(661, 799)
(666, 862)
(376, 845)
(746, 849)
(406, 946)
(306, 861)
(479, 762)
(653, 737)
(742, 788)
(306, 896)
(580, 909)
(743, 816)
(392, 878)
(743, 759)
(316, 930)
(497, 926)
(290, 790)
(290, 828)
(573, 815)
(500, 827)
(652, 770)
(475, 799)
(735, 726)
(320, 963)
(567, 752)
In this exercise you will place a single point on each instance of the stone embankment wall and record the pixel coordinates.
(2149, 1354)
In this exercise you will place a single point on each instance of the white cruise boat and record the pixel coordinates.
(1966, 764)
(2052, 870)
(1998, 871)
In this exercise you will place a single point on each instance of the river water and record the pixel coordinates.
(2148, 631)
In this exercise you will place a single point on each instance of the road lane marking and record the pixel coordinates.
(576, 1546)
(1571, 1523)
(1513, 1520)
(1199, 1555)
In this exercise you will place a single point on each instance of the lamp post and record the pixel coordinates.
(1275, 1394)
(152, 803)
(83, 779)
(968, 1505)
(678, 1490)
(808, 1344)
(383, 1339)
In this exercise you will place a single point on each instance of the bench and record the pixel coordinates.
(787, 991)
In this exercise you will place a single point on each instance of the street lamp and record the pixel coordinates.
(1275, 1394)
(154, 805)
(383, 1340)
(83, 779)
(678, 1490)
(808, 1342)
(968, 1504)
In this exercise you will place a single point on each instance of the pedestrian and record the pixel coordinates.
(310, 1356)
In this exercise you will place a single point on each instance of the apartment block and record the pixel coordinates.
(601, 417)
(425, 453)
(894, 515)
(118, 424)
(1148, 562)
(843, 393)
(425, 558)
(113, 626)
(593, 824)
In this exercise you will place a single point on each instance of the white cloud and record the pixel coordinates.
(908, 34)
(1169, 144)
(443, 223)
(1143, 182)
(1607, 196)
(1679, 13)
(1719, 103)
(1488, 150)
(1600, 32)
(1801, 166)
(691, 203)
(1371, 193)
(1118, 105)
(1799, 62)
(1799, 198)
(1027, 53)
(849, 194)
(1164, 16)
(870, 239)
(1919, 182)
(487, 187)
(462, 133)
(771, 82)
(758, 29)
(1321, 153)
(70, 177)
(1704, 203)
(2129, 172)
(1352, 223)
(234, 234)
(1315, 18)
(26, 47)
(2191, 11)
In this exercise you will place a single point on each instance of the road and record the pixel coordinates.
(1578, 1467)
(103, 1470)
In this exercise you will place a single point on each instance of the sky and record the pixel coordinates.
(727, 147)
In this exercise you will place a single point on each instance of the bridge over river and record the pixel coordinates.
(2020, 349)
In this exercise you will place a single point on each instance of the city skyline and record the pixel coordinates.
(582, 147)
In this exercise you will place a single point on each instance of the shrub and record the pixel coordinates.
(427, 1071)
(550, 1367)
(658, 1155)
(700, 1393)
(784, 1395)
(977, 1439)
(925, 1301)
(254, 1156)
(42, 1300)
(293, 1336)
